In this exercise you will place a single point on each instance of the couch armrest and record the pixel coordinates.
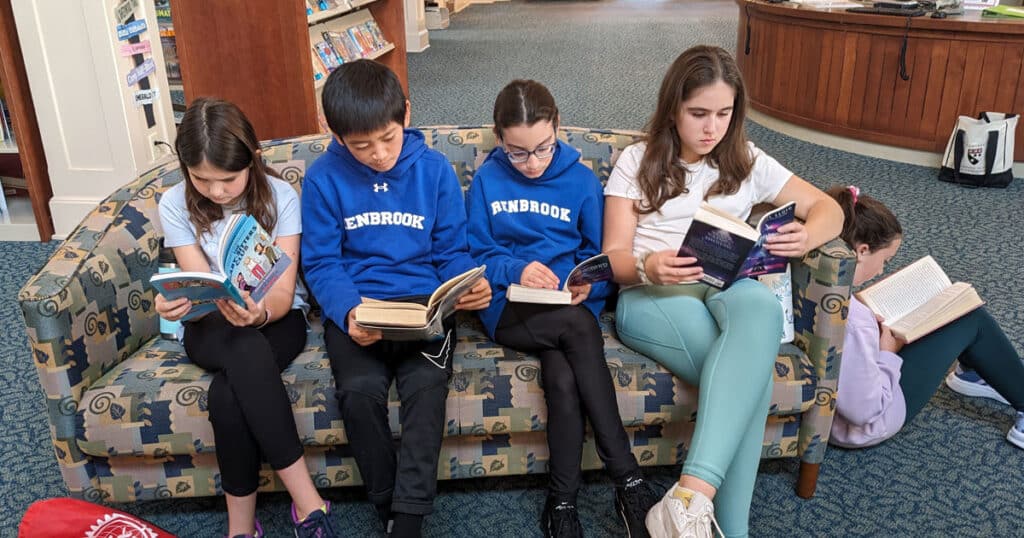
(822, 282)
(89, 308)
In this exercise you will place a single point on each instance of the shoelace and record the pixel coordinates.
(316, 525)
(695, 523)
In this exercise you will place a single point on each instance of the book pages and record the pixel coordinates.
(903, 291)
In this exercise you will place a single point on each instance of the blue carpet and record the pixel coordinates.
(950, 472)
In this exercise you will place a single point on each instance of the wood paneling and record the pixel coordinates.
(838, 72)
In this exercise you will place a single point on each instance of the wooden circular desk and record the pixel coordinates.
(839, 72)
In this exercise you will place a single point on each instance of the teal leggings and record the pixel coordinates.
(725, 343)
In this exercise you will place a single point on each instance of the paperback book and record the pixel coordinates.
(250, 262)
(405, 320)
(918, 299)
(594, 269)
(728, 248)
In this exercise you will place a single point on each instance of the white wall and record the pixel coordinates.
(94, 137)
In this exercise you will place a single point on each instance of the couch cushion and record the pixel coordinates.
(154, 403)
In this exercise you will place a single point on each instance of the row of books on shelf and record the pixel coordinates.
(337, 47)
(340, 6)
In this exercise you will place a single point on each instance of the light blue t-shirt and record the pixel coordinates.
(179, 231)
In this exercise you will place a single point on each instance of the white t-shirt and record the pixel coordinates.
(665, 229)
(179, 231)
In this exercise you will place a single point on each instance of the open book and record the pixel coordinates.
(248, 259)
(402, 320)
(594, 269)
(918, 299)
(728, 248)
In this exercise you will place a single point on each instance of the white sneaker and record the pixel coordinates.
(1016, 433)
(969, 383)
(682, 513)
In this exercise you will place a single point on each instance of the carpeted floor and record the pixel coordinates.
(949, 473)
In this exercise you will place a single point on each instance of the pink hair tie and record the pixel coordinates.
(855, 192)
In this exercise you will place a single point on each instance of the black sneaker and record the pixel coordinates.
(632, 502)
(561, 520)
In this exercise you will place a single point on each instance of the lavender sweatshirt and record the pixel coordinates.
(869, 405)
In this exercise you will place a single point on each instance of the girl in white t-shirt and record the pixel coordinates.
(724, 342)
(244, 348)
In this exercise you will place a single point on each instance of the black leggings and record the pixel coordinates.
(249, 407)
(576, 380)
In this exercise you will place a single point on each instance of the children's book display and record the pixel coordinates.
(249, 260)
(728, 248)
(594, 269)
(918, 299)
(404, 320)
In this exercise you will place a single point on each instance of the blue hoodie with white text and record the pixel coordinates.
(382, 235)
(555, 219)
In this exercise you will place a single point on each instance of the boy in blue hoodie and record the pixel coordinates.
(534, 213)
(384, 218)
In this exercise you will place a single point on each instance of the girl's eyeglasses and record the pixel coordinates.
(541, 152)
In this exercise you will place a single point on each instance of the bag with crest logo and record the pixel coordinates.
(980, 151)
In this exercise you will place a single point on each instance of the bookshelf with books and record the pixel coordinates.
(26, 187)
(261, 54)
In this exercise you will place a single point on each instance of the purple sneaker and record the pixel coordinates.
(259, 531)
(969, 383)
(316, 525)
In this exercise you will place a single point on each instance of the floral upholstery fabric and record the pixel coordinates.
(127, 410)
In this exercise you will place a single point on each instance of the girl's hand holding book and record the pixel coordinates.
(172, 310)
(538, 275)
(886, 340)
(580, 293)
(254, 314)
(789, 241)
(663, 267)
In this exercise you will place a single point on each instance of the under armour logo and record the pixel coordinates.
(378, 187)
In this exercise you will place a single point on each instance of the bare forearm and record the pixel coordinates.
(623, 266)
(824, 222)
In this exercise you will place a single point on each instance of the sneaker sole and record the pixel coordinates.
(1015, 437)
(971, 389)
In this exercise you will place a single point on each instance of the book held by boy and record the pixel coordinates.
(248, 259)
(728, 248)
(594, 269)
(406, 320)
(918, 299)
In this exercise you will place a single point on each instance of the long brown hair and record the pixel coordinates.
(661, 176)
(217, 132)
(865, 220)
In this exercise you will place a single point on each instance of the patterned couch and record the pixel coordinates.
(128, 414)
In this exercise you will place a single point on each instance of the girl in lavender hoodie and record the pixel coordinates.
(884, 383)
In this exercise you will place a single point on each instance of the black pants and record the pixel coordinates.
(405, 479)
(249, 407)
(576, 380)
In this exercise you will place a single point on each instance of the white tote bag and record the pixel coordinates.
(980, 151)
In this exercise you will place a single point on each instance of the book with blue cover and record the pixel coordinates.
(729, 249)
(249, 261)
(593, 269)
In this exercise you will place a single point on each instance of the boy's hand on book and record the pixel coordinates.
(664, 267)
(477, 298)
(538, 275)
(361, 335)
(253, 314)
(790, 240)
(172, 310)
(580, 293)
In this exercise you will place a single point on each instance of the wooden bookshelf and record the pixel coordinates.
(256, 53)
(27, 155)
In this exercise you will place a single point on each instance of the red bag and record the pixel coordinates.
(71, 518)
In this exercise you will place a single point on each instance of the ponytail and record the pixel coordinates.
(866, 220)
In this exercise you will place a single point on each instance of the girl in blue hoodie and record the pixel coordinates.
(535, 212)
